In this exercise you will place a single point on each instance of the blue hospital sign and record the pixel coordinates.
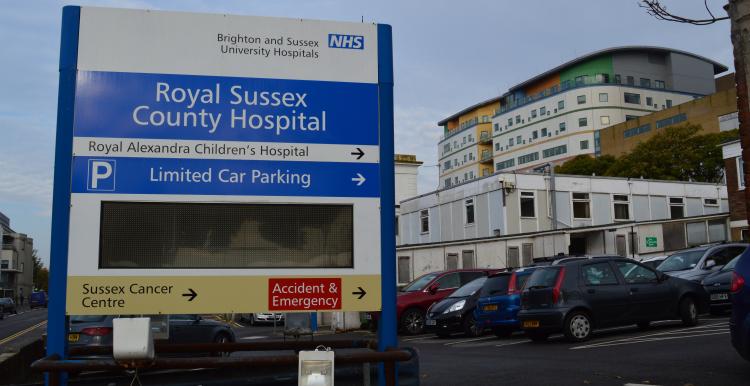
(211, 153)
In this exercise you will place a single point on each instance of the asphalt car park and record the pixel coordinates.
(667, 353)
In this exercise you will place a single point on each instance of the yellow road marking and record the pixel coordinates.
(22, 332)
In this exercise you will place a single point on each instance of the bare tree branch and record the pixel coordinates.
(659, 11)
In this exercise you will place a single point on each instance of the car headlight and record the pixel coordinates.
(457, 306)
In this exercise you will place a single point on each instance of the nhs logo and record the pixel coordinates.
(101, 175)
(354, 42)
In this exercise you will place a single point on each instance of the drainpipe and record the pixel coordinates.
(552, 193)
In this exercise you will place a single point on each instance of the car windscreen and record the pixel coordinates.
(496, 285)
(730, 265)
(681, 261)
(419, 283)
(521, 280)
(87, 318)
(469, 288)
(543, 278)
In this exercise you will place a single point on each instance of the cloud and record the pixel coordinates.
(416, 132)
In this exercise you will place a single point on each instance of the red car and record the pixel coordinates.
(416, 297)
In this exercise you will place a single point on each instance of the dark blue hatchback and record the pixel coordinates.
(739, 323)
(500, 300)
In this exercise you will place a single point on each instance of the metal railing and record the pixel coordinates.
(55, 366)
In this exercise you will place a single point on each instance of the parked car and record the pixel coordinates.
(95, 330)
(415, 298)
(456, 312)
(7, 306)
(500, 300)
(739, 322)
(262, 318)
(576, 297)
(38, 299)
(717, 285)
(654, 261)
(697, 263)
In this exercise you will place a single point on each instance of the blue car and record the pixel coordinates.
(500, 300)
(739, 323)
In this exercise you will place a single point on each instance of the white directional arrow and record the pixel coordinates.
(359, 179)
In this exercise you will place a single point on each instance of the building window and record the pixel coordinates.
(497, 147)
(505, 164)
(582, 80)
(447, 182)
(4, 264)
(581, 99)
(740, 173)
(603, 97)
(581, 208)
(497, 127)
(469, 205)
(471, 138)
(583, 122)
(560, 104)
(637, 130)
(531, 157)
(602, 78)
(710, 202)
(632, 98)
(471, 156)
(527, 204)
(649, 101)
(676, 207)
(518, 139)
(447, 165)
(562, 126)
(452, 280)
(629, 80)
(485, 172)
(675, 119)
(404, 269)
(510, 141)
(618, 79)
(544, 132)
(424, 217)
(465, 155)
(542, 111)
(518, 119)
(604, 120)
(463, 140)
(585, 145)
(630, 117)
(554, 151)
(534, 134)
(669, 103)
(533, 113)
(645, 82)
(510, 121)
(512, 258)
(659, 84)
(467, 259)
(621, 206)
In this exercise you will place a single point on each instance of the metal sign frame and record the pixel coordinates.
(61, 208)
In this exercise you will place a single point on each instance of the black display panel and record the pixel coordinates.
(199, 235)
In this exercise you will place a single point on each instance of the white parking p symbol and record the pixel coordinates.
(101, 175)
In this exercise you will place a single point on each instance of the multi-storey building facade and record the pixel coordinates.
(507, 219)
(557, 115)
(16, 262)
(713, 113)
(735, 178)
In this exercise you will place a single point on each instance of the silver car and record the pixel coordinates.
(696, 263)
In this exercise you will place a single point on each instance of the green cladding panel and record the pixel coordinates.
(598, 65)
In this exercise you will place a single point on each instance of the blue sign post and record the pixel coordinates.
(292, 115)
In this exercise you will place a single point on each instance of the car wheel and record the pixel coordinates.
(471, 329)
(413, 321)
(222, 338)
(577, 327)
(502, 332)
(644, 325)
(688, 312)
(537, 337)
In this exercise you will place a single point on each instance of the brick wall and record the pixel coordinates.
(737, 206)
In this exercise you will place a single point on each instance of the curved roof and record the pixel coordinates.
(718, 67)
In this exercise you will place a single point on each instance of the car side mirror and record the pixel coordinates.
(433, 289)
(710, 263)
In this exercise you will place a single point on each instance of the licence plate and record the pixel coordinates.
(430, 322)
(490, 308)
(530, 323)
(719, 296)
(73, 337)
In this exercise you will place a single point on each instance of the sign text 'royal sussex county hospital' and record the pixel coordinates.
(217, 163)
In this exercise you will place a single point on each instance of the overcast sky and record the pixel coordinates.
(447, 55)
